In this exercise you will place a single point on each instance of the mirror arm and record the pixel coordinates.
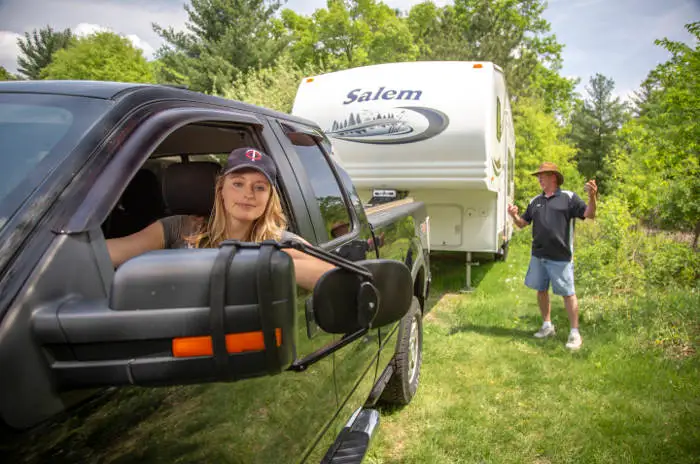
(329, 257)
(310, 250)
(302, 364)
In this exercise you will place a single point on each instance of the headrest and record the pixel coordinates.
(144, 186)
(188, 188)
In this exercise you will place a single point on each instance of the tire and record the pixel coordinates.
(403, 384)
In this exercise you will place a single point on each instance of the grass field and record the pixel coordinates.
(491, 393)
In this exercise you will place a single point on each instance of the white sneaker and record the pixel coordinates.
(545, 332)
(574, 342)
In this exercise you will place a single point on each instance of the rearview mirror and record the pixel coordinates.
(178, 317)
(343, 303)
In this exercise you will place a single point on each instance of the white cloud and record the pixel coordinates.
(626, 95)
(9, 50)
(138, 42)
(85, 29)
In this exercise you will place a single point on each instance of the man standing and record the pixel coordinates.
(552, 215)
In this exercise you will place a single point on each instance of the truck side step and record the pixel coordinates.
(353, 442)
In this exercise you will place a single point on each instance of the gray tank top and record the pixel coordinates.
(176, 228)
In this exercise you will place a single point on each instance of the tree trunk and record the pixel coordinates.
(695, 236)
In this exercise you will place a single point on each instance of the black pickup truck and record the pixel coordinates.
(192, 355)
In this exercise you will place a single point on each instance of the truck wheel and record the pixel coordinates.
(407, 360)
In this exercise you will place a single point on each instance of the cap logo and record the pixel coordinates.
(253, 155)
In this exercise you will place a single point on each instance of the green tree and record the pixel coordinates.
(224, 39)
(37, 49)
(645, 99)
(555, 92)
(657, 166)
(634, 162)
(274, 87)
(511, 33)
(679, 132)
(594, 125)
(104, 56)
(424, 21)
(350, 33)
(303, 38)
(5, 75)
(540, 138)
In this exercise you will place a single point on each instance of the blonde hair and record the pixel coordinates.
(269, 226)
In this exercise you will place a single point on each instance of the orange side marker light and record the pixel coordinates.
(187, 347)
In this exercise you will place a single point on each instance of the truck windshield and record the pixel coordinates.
(38, 132)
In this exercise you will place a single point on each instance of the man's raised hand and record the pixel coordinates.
(591, 188)
(513, 210)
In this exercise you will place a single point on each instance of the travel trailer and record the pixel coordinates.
(437, 132)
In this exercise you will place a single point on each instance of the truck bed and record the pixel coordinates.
(388, 212)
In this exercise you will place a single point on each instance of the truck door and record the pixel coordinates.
(338, 228)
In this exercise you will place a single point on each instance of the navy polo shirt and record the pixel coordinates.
(553, 224)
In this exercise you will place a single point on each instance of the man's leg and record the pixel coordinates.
(547, 329)
(537, 279)
(545, 308)
(571, 305)
(562, 275)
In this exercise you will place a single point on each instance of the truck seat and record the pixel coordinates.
(188, 188)
(139, 206)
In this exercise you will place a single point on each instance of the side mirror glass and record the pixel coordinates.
(344, 303)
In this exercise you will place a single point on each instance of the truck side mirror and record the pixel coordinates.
(344, 303)
(178, 317)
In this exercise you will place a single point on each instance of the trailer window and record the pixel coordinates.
(499, 125)
(334, 209)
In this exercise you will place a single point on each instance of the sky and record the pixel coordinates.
(611, 37)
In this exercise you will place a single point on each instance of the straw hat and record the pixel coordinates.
(550, 167)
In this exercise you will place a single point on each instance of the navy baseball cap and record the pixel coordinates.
(251, 158)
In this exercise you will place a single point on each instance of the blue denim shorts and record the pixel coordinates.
(543, 271)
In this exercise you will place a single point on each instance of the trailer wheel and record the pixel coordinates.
(407, 360)
(503, 255)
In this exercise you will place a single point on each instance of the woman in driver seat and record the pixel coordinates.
(247, 207)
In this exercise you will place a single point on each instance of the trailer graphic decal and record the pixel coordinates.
(497, 166)
(404, 124)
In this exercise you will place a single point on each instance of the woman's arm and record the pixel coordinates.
(124, 248)
(307, 268)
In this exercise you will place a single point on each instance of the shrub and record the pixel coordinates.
(670, 263)
(607, 253)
